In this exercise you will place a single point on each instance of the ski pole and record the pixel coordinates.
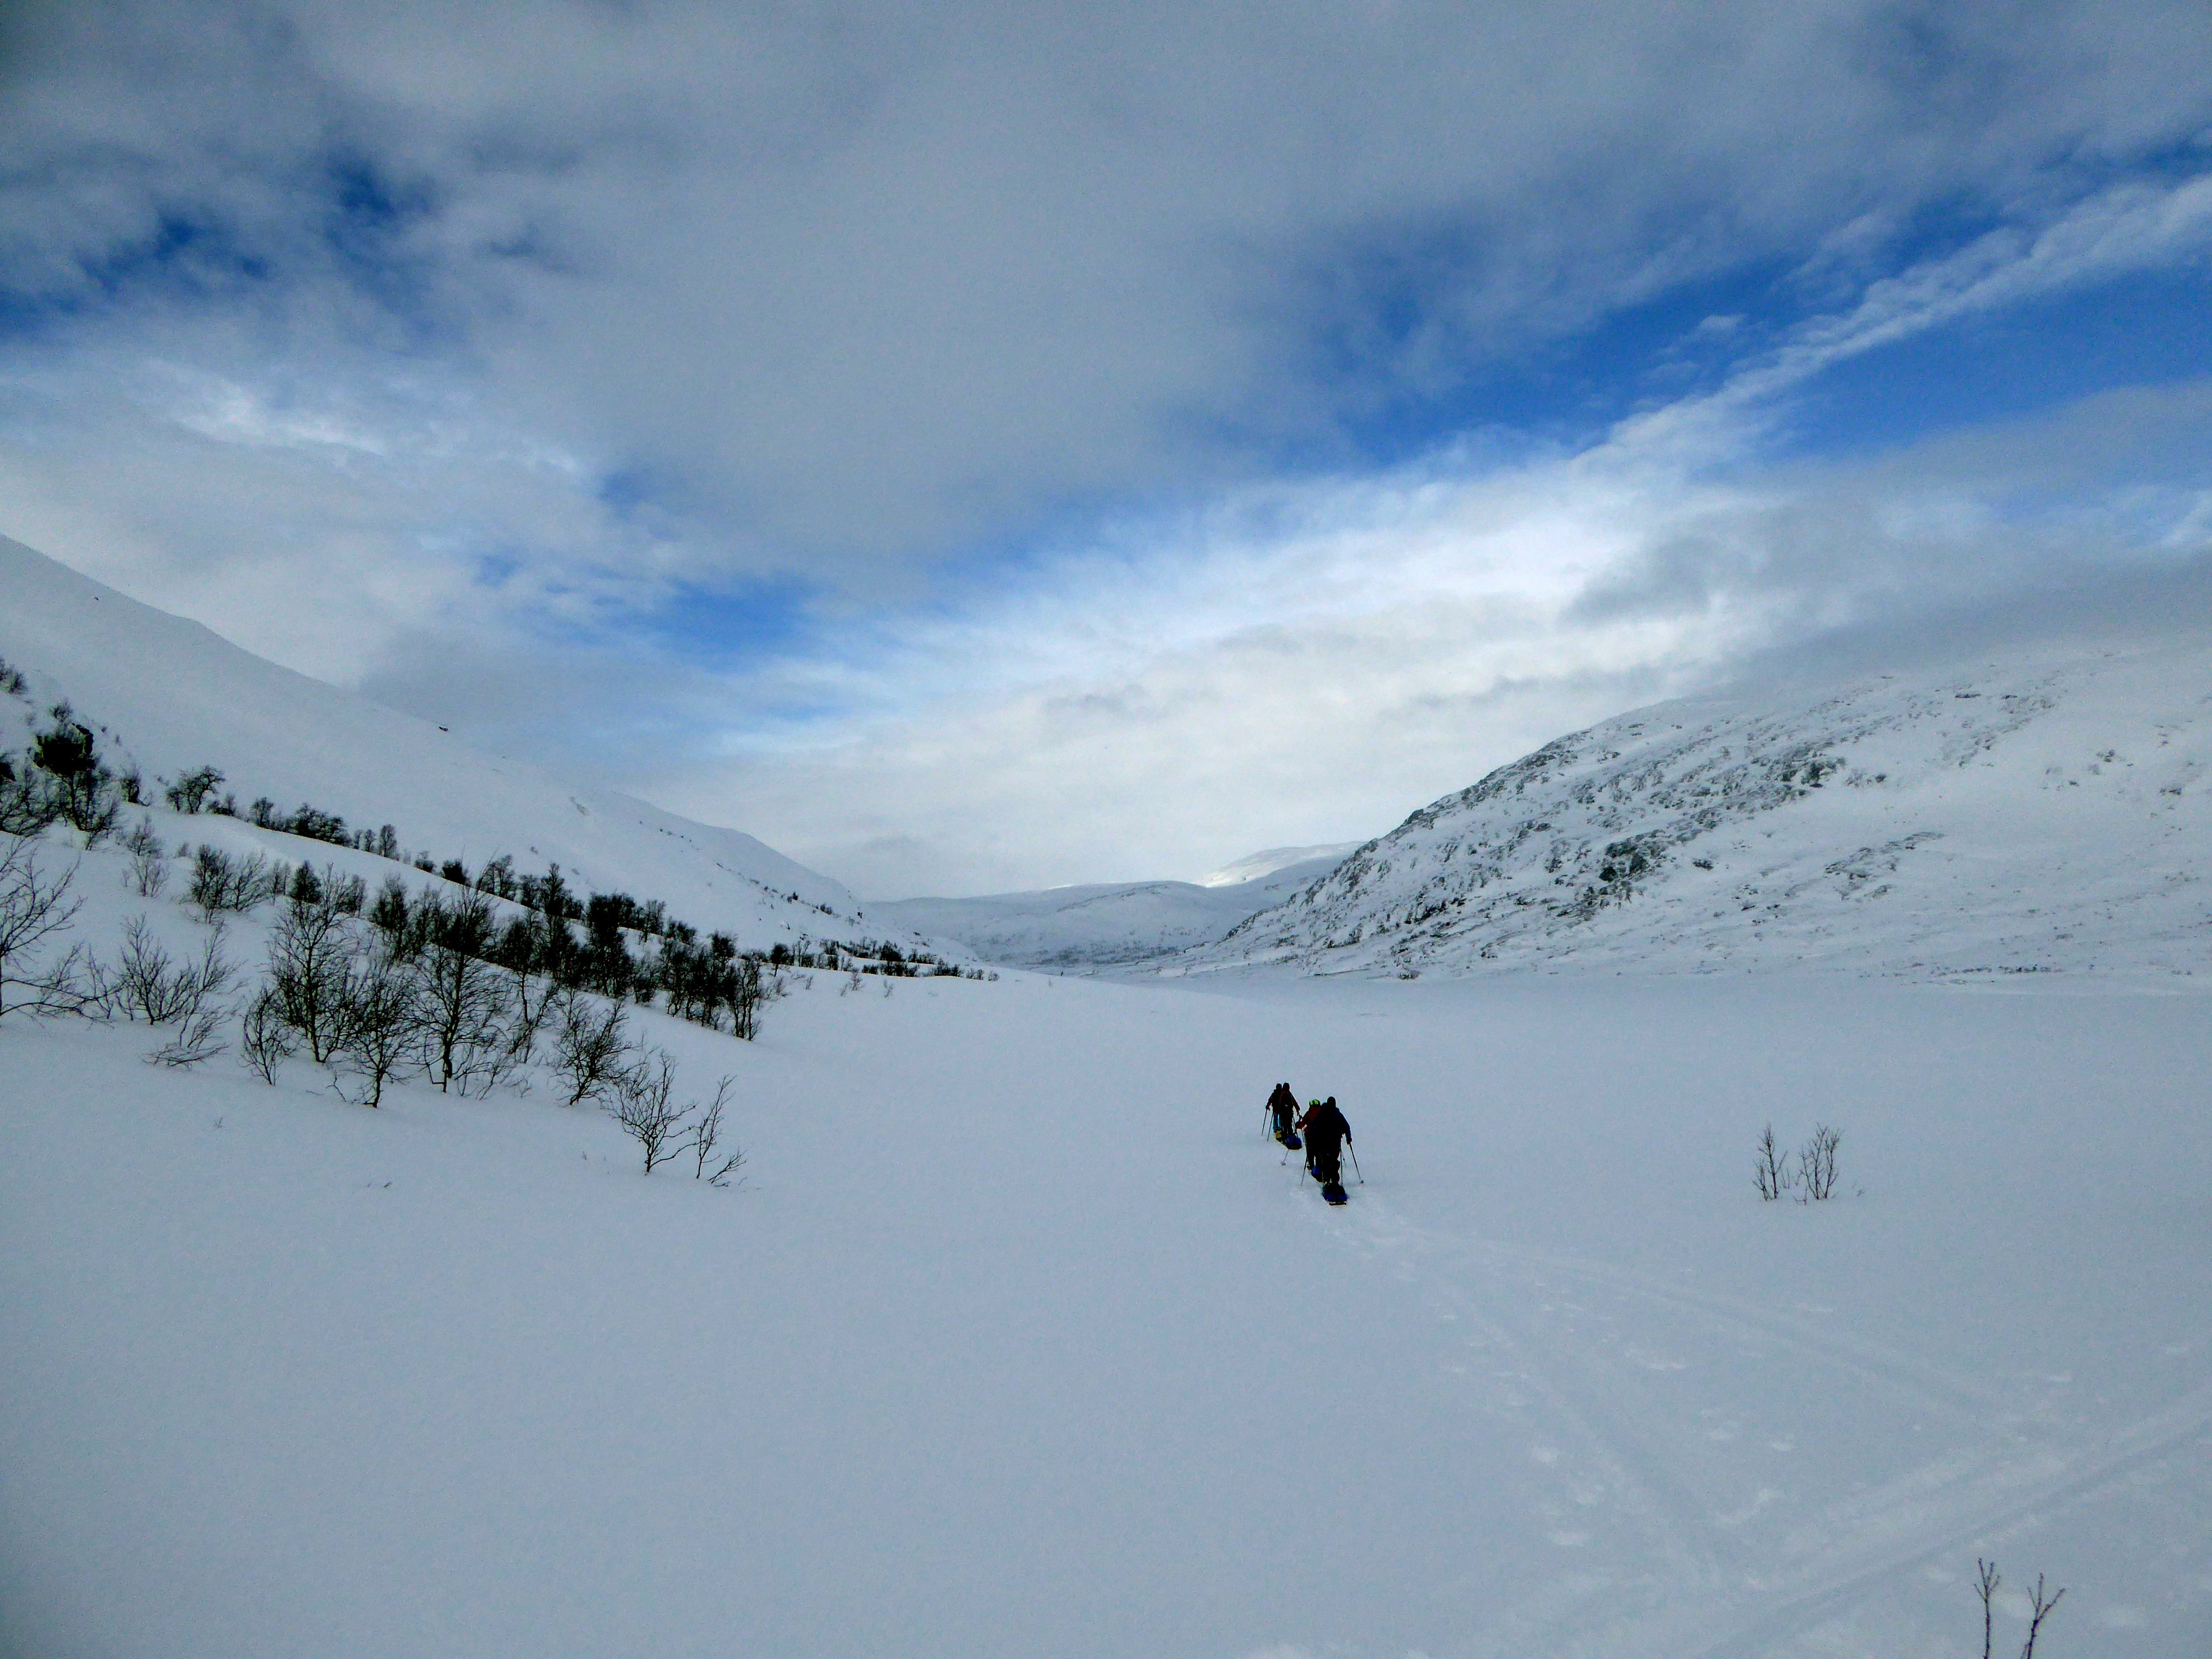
(1354, 1151)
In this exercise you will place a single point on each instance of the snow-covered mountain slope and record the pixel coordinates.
(2047, 813)
(1101, 925)
(166, 695)
(1253, 865)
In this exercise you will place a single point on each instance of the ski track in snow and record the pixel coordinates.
(1737, 1606)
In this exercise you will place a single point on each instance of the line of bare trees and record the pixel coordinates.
(373, 1003)
(610, 943)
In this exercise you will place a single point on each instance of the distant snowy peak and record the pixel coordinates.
(2045, 814)
(1254, 866)
(165, 695)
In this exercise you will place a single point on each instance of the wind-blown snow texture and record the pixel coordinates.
(2026, 816)
(170, 695)
(1103, 926)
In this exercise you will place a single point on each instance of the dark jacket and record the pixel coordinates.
(1325, 1123)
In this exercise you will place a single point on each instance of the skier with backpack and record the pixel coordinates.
(1326, 1133)
(1282, 1107)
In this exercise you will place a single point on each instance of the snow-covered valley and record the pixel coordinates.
(1015, 1336)
(1019, 1339)
(1107, 925)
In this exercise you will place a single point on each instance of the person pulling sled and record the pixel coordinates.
(1282, 1108)
(1326, 1132)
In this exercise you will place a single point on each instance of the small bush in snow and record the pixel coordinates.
(709, 1162)
(2039, 1608)
(149, 874)
(190, 792)
(1771, 1172)
(1814, 1180)
(466, 1012)
(223, 884)
(379, 1024)
(1816, 1165)
(29, 802)
(82, 788)
(588, 1045)
(35, 910)
(266, 1039)
(148, 984)
(311, 959)
(198, 1039)
(644, 1104)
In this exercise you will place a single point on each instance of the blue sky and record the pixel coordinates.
(977, 446)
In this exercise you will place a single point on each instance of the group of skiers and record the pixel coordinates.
(1324, 1133)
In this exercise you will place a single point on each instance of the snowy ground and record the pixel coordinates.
(1019, 1340)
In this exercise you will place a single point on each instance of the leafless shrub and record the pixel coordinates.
(192, 790)
(644, 1105)
(380, 1019)
(222, 884)
(29, 804)
(709, 1164)
(35, 908)
(311, 959)
(267, 1039)
(198, 1038)
(148, 984)
(588, 1046)
(1816, 1165)
(94, 815)
(1985, 1584)
(1770, 1172)
(464, 1019)
(746, 995)
(530, 1002)
(149, 874)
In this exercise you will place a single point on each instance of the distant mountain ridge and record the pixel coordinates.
(2042, 813)
(166, 695)
(1103, 926)
(1254, 866)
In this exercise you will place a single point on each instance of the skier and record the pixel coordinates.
(1282, 1107)
(1326, 1132)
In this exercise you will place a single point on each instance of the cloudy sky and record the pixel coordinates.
(978, 447)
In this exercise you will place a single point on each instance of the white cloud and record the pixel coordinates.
(336, 341)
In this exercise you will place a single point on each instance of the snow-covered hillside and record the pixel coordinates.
(2040, 813)
(1105, 925)
(166, 695)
